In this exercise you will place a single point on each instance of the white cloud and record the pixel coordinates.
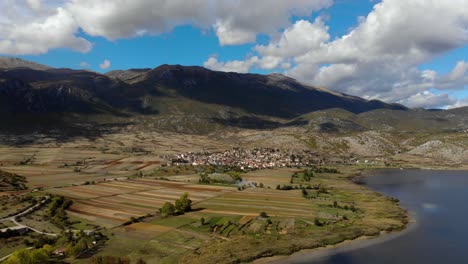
(232, 66)
(456, 79)
(106, 64)
(297, 40)
(234, 22)
(427, 99)
(22, 32)
(229, 35)
(55, 23)
(380, 57)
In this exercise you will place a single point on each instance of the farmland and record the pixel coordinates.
(118, 184)
(231, 218)
(113, 203)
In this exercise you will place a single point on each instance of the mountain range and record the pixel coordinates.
(195, 99)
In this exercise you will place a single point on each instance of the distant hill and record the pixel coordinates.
(272, 95)
(28, 89)
(193, 99)
(11, 63)
(400, 121)
(126, 75)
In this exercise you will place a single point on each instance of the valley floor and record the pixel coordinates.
(117, 186)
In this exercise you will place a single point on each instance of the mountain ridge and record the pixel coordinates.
(273, 95)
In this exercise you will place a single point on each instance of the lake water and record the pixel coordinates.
(438, 200)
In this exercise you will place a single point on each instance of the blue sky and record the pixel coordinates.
(413, 52)
(187, 45)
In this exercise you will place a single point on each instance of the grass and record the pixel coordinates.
(174, 221)
(233, 230)
(375, 213)
(39, 220)
(8, 246)
(6, 224)
(12, 204)
(79, 223)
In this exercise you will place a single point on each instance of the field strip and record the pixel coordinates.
(93, 214)
(152, 227)
(110, 204)
(99, 206)
(135, 202)
(271, 198)
(270, 202)
(214, 211)
(259, 207)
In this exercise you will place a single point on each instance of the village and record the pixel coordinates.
(259, 158)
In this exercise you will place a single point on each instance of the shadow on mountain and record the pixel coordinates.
(24, 130)
(248, 122)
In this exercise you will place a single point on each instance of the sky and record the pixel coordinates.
(413, 52)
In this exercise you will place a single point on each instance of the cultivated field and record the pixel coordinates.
(48, 163)
(115, 202)
(117, 182)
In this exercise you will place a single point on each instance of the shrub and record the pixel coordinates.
(317, 222)
(264, 215)
(167, 209)
(184, 204)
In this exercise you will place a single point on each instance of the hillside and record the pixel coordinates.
(238, 109)
(126, 75)
(272, 95)
(146, 90)
(11, 63)
(173, 97)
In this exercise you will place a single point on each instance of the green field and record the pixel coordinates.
(228, 224)
(232, 229)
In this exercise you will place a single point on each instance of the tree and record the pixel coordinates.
(36, 256)
(263, 215)
(78, 248)
(184, 204)
(167, 209)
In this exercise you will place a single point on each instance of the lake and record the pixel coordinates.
(437, 200)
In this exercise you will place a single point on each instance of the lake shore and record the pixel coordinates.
(320, 253)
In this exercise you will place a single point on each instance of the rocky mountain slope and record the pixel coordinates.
(142, 91)
(240, 109)
(11, 63)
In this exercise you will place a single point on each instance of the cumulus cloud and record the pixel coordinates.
(298, 39)
(234, 22)
(428, 99)
(56, 23)
(23, 32)
(231, 66)
(380, 57)
(456, 79)
(106, 64)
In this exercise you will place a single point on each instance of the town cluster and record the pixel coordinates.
(247, 158)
